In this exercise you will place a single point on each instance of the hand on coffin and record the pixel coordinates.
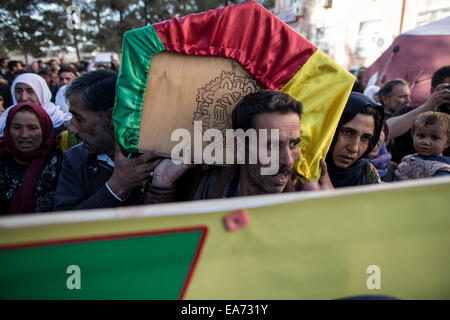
(324, 180)
(167, 173)
(162, 188)
(131, 172)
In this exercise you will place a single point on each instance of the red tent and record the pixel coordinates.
(414, 56)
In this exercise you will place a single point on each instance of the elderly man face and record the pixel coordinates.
(95, 131)
(399, 97)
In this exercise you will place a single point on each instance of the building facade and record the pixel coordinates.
(357, 32)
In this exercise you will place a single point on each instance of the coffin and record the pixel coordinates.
(197, 67)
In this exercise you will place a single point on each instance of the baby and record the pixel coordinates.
(379, 156)
(431, 135)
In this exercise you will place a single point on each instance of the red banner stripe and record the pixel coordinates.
(264, 45)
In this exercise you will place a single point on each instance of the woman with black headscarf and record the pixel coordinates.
(357, 134)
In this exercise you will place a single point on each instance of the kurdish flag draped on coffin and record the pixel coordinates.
(277, 56)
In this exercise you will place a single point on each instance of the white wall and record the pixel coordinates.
(380, 20)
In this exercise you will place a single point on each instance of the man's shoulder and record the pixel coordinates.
(77, 150)
(212, 181)
(77, 155)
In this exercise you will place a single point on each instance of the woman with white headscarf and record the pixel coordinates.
(371, 92)
(61, 100)
(30, 87)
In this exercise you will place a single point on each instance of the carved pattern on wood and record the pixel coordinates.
(217, 99)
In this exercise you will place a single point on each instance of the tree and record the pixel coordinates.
(107, 20)
(63, 28)
(20, 27)
(36, 26)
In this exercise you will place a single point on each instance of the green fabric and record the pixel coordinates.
(138, 48)
(143, 267)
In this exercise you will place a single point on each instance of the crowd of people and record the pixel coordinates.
(58, 150)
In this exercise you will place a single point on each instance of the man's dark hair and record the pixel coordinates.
(12, 64)
(68, 68)
(19, 72)
(2, 60)
(44, 72)
(97, 90)
(439, 76)
(358, 86)
(83, 66)
(386, 90)
(265, 101)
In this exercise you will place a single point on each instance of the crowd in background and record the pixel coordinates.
(58, 151)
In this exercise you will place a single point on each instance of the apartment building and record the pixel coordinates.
(356, 32)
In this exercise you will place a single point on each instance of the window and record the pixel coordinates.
(294, 6)
(322, 39)
(426, 17)
(368, 38)
(326, 3)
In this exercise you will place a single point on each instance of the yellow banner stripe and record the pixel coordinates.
(323, 87)
(311, 245)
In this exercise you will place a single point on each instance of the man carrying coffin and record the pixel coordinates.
(95, 173)
(269, 110)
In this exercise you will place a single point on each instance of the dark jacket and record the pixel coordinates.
(219, 182)
(402, 145)
(82, 183)
(216, 182)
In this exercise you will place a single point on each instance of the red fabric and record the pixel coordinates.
(263, 44)
(23, 200)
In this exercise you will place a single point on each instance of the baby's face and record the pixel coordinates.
(377, 148)
(430, 141)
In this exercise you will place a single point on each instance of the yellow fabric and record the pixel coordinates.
(315, 246)
(323, 87)
(65, 141)
(62, 142)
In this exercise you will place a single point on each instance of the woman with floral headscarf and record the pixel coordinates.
(29, 166)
